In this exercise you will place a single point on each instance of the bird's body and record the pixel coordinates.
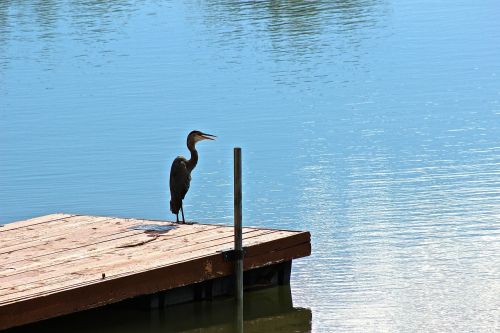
(180, 173)
(180, 179)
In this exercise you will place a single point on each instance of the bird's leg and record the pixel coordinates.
(182, 211)
(177, 218)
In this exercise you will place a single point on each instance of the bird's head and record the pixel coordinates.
(196, 136)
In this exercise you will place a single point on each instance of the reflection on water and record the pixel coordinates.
(268, 310)
(59, 25)
(373, 124)
(301, 40)
(296, 26)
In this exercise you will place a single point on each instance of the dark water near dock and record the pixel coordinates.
(373, 124)
(266, 310)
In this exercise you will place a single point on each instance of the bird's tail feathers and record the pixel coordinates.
(174, 207)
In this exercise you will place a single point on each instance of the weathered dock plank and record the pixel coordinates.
(24, 225)
(63, 263)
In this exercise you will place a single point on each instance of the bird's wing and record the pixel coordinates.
(180, 179)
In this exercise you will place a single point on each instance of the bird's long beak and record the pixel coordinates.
(208, 136)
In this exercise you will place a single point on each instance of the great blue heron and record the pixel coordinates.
(180, 173)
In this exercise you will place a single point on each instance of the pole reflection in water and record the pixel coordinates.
(238, 318)
(266, 310)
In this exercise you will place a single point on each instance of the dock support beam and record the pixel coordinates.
(238, 239)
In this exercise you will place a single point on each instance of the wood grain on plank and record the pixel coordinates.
(63, 275)
(85, 244)
(20, 225)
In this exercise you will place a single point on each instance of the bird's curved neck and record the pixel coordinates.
(191, 163)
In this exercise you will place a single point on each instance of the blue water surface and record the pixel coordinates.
(373, 124)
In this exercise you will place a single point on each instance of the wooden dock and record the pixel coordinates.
(61, 263)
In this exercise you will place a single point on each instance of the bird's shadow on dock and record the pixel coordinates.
(154, 229)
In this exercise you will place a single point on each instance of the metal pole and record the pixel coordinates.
(238, 238)
(238, 241)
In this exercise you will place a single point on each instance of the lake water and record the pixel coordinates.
(373, 124)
